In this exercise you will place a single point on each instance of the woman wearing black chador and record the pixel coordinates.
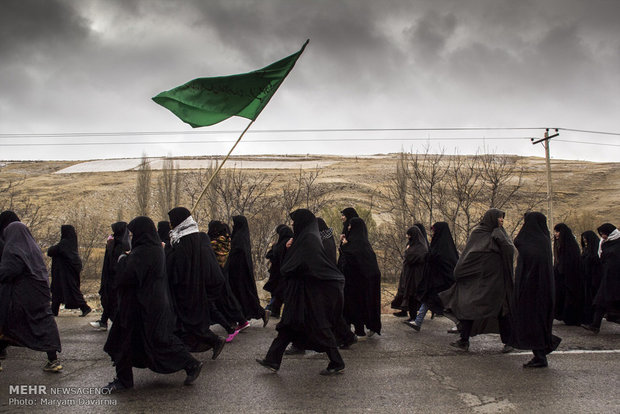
(240, 270)
(569, 290)
(66, 268)
(533, 295)
(313, 297)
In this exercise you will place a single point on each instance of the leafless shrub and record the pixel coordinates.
(143, 187)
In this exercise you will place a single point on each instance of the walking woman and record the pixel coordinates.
(533, 296)
(438, 272)
(241, 272)
(569, 288)
(591, 272)
(116, 245)
(607, 299)
(66, 268)
(483, 281)
(362, 289)
(411, 274)
(313, 298)
(26, 317)
(142, 335)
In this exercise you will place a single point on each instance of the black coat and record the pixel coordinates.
(608, 295)
(66, 268)
(362, 289)
(591, 272)
(195, 281)
(483, 273)
(26, 317)
(439, 270)
(313, 297)
(534, 294)
(115, 247)
(144, 328)
(275, 255)
(241, 270)
(412, 271)
(569, 287)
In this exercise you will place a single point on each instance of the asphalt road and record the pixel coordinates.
(401, 371)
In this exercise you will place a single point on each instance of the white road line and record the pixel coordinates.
(575, 351)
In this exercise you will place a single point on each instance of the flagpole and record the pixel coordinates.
(220, 167)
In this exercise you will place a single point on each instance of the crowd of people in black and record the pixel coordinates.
(163, 287)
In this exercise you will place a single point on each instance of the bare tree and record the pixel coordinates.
(143, 187)
(168, 187)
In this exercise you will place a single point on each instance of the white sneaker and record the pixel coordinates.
(99, 326)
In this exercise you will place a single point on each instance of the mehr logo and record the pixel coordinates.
(28, 389)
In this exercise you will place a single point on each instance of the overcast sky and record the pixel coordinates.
(92, 66)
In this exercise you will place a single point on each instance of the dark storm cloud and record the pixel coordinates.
(92, 65)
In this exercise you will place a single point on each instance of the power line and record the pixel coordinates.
(249, 141)
(590, 132)
(257, 131)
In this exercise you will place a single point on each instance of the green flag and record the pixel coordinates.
(207, 101)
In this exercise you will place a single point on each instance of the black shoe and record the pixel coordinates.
(460, 344)
(114, 387)
(192, 373)
(266, 317)
(591, 328)
(453, 331)
(293, 350)
(217, 349)
(535, 363)
(3, 353)
(332, 371)
(347, 345)
(269, 365)
(507, 349)
(86, 311)
(400, 314)
(414, 325)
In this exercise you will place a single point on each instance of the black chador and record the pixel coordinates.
(362, 289)
(163, 230)
(25, 314)
(66, 268)
(275, 255)
(226, 309)
(6, 217)
(483, 281)
(313, 297)
(607, 298)
(591, 272)
(411, 274)
(533, 295)
(347, 214)
(142, 335)
(569, 289)
(439, 270)
(327, 237)
(241, 271)
(195, 282)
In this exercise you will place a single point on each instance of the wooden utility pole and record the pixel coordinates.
(545, 142)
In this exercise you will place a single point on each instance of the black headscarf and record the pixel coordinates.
(217, 229)
(22, 249)
(275, 255)
(240, 239)
(423, 231)
(177, 215)
(306, 253)
(606, 229)
(143, 232)
(6, 217)
(121, 235)
(163, 230)
(68, 234)
(349, 213)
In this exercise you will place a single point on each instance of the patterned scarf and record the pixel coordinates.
(187, 226)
